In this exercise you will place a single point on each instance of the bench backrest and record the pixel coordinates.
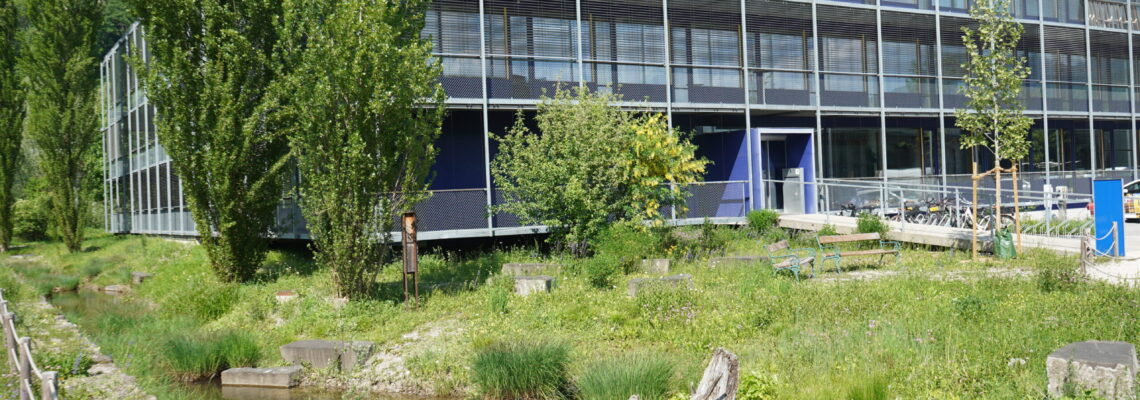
(858, 237)
(774, 247)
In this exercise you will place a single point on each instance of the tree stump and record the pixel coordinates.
(721, 377)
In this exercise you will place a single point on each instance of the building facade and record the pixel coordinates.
(859, 90)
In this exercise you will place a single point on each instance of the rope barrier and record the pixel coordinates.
(20, 356)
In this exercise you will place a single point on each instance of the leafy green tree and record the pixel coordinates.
(60, 73)
(11, 118)
(212, 64)
(591, 164)
(117, 18)
(365, 107)
(994, 118)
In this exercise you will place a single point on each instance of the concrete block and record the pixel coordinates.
(116, 289)
(681, 280)
(525, 285)
(656, 266)
(257, 393)
(344, 356)
(278, 377)
(137, 278)
(1108, 368)
(528, 269)
(735, 260)
(317, 353)
(285, 296)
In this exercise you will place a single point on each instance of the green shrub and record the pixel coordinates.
(756, 386)
(763, 220)
(871, 223)
(66, 363)
(206, 301)
(618, 379)
(30, 218)
(828, 230)
(522, 370)
(970, 307)
(619, 250)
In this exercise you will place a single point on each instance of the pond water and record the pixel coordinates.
(78, 306)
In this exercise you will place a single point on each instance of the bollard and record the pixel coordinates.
(1115, 242)
(49, 387)
(24, 347)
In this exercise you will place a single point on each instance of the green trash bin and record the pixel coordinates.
(1003, 245)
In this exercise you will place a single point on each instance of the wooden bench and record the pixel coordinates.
(792, 259)
(829, 247)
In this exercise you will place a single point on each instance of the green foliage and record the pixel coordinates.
(364, 107)
(869, 389)
(522, 370)
(191, 358)
(871, 223)
(60, 75)
(11, 118)
(970, 307)
(1058, 276)
(828, 230)
(67, 364)
(756, 385)
(218, 122)
(617, 379)
(206, 301)
(589, 164)
(117, 18)
(31, 217)
(619, 250)
(664, 305)
(762, 220)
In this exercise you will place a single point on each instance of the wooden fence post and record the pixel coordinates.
(25, 367)
(9, 340)
(48, 389)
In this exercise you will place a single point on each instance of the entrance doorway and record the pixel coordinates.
(784, 169)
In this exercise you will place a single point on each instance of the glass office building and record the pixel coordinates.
(855, 90)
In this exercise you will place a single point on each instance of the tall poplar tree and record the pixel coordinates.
(212, 63)
(994, 118)
(11, 118)
(365, 106)
(60, 74)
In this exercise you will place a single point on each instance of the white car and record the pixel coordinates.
(1132, 199)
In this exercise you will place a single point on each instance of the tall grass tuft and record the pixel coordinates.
(522, 370)
(192, 358)
(620, 378)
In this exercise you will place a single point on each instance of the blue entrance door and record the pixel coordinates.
(777, 153)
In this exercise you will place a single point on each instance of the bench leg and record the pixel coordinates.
(796, 271)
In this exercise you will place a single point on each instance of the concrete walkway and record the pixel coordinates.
(927, 234)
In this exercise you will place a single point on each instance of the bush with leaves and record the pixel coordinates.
(619, 250)
(763, 220)
(871, 223)
(590, 164)
(361, 131)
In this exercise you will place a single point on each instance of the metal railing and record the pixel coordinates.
(950, 206)
(21, 361)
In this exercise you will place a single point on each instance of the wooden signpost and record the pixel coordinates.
(411, 256)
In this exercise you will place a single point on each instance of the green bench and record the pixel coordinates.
(784, 258)
(829, 247)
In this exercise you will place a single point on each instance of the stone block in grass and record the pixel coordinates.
(1107, 368)
(638, 284)
(529, 269)
(735, 260)
(655, 266)
(137, 278)
(526, 285)
(345, 356)
(277, 377)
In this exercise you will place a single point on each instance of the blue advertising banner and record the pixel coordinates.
(1108, 202)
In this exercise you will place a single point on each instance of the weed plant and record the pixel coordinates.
(617, 379)
(522, 370)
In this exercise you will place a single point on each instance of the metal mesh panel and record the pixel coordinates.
(850, 90)
(707, 85)
(545, 28)
(624, 32)
(632, 82)
(461, 77)
(847, 40)
(1110, 98)
(909, 39)
(528, 78)
(502, 219)
(953, 50)
(910, 92)
(451, 210)
(779, 35)
(453, 26)
(705, 32)
(716, 199)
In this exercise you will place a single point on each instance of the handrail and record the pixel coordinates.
(21, 360)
